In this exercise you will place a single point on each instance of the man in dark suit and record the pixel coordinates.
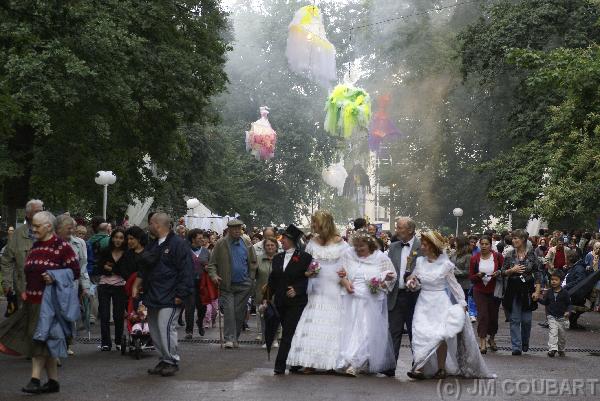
(288, 283)
(401, 302)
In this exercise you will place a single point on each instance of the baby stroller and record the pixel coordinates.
(138, 337)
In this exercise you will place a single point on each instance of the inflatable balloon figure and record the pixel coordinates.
(261, 138)
(348, 108)
(308, 51)
(335, 176)
(382, 128)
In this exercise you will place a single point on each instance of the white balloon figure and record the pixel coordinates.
(335, 176)
(308, 51)
(261, 138)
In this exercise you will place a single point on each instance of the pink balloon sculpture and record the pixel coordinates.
(261, 138)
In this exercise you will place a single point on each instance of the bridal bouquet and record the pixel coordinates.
(314, 267)
(374, 285)
(413, 285)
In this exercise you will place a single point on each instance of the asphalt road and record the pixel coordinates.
(211, 373)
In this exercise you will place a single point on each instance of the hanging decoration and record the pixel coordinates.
(261, 138)
(357, 183)
(335, 176)
(348, 108)
(308, 51)
(382, 128)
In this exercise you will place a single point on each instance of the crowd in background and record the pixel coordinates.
(230, 271)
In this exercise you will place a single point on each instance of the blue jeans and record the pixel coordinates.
(520, 325)
(545, 279)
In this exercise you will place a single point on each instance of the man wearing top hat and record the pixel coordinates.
(288, 283)
(232, 268)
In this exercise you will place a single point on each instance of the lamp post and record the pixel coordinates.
(105, 178)
(458, 212)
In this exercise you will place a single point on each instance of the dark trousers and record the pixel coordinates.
(487, 314)
(400, 316)
(106, 295)
(574, 315)
(193, 304)
(290, 316)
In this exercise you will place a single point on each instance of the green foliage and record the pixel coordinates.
(538, 52)
(570, 189)
(103, 85)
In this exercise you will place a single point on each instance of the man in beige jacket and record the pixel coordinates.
(232, 267)
(17, 248)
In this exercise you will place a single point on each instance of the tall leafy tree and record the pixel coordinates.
(491, 59)
(103, 85)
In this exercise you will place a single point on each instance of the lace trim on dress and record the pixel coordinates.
(327, 252)
(322, 307)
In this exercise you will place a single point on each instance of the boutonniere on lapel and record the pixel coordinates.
(409, 260)
(295, 258)
(166, 251)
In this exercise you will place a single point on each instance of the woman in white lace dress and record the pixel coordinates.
(316, 342)
(366, 344)
(443, 340)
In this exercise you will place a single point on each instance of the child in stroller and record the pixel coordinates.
(138, 338)
(138, 319)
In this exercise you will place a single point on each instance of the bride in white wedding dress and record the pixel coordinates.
(443, 341)
(316, 342)
(366, 344)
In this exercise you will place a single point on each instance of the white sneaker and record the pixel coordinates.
(70, 351)
(473, 319)
(352, 372)
(229, 344)
(275, 344)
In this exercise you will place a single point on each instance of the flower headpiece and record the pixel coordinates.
(363, 235)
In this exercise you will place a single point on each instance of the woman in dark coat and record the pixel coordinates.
(114, 268)
(523, 271)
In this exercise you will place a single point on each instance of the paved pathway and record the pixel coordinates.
(210, 373)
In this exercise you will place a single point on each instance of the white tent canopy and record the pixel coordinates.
(138, 211)
(201, 217)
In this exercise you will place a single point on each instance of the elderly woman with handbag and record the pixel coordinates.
(49, 261)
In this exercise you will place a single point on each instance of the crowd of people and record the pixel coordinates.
(344, 300)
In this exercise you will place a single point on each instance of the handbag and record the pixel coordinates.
(208, 290)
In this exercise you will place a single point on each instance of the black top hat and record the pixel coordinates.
(293, 233)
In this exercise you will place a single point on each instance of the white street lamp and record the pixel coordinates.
(458, 212)
(105, 178)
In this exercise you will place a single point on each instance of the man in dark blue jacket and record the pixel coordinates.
(165, 284)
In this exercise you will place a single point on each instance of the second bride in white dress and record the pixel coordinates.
(366, 344)
(316, 342)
